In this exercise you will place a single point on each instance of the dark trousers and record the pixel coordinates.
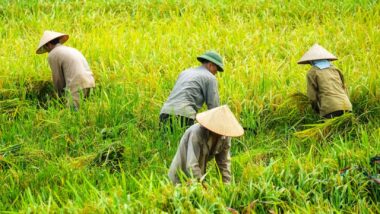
(335, 114)
(175, 120)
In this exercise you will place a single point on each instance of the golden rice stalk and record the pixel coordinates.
(342, 124)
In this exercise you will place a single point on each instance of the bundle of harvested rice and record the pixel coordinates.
(111, 156)
(300, 100)
(343, 124)
(6, 151)
(40, 90)
(12, 149)
(11, 106)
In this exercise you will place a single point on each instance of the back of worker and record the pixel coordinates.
(193, 87)
(70, 63)
(327, 87)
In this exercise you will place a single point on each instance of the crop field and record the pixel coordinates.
(111, 157)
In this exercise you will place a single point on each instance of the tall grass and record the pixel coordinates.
(136, 49)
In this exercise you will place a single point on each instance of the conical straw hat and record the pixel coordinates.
(47, 37)
(316, 52)
(220, 120)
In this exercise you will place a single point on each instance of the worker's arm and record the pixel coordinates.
(223, 160)
(57, 75)
(312, 91)
(342, 79)
(212, 94)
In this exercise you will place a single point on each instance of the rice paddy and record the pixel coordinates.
(110, 156)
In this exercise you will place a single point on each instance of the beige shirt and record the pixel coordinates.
(69, 69)
(195, 150)
(325, 88)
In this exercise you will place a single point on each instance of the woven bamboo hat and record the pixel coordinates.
(221, 120)
(316, 52)
(47, 37)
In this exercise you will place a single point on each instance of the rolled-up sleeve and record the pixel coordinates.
(223, 160)
(212, 94)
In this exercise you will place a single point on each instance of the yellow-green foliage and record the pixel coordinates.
(136, 49)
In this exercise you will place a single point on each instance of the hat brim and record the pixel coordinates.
(62, 39)
(205, 57)
(316, 52)
(220, 120)
(303, 62)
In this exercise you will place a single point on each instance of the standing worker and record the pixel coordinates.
(325, 83)
(193, 87)
(70, 69)
(202, 142)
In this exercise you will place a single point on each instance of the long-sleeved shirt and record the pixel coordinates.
(193, 87)
(69, 69)
(326, 90)
(196, 149)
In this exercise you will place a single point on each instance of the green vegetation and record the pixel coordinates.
(110, 156)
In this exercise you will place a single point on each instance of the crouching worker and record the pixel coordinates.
(325, 84)
(70, 69)
(208, 139)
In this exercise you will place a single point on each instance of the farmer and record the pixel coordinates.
(194, 87)
(70, 69)
(325, 83)
(209, 139)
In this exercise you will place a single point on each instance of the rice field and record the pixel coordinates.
(110, 156)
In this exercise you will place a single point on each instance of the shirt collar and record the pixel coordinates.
(321, 64)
